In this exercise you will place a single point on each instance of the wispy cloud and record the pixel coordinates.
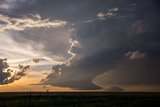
(135, 55)
(108, 13)
(30, 21)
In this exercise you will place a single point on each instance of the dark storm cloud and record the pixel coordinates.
(103, 45)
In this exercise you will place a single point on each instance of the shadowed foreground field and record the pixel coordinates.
(85, 99)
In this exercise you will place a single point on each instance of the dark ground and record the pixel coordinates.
(85, 99)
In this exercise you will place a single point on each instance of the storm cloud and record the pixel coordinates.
(103, 44)
(88, 41)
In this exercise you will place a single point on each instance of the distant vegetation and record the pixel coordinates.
(84, 99)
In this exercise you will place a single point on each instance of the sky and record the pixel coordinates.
(79, 45)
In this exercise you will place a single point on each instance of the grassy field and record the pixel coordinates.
(85, 99)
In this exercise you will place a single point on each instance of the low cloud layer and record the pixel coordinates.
(114, 89)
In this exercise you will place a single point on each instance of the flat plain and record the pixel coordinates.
(79, 99)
